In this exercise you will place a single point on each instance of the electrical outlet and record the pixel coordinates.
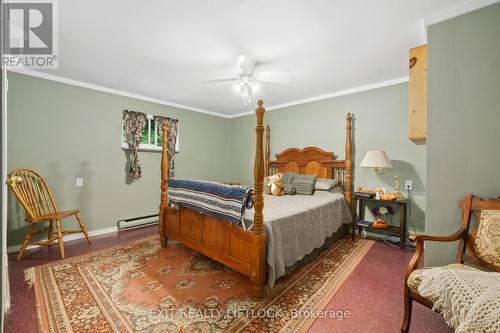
(408, 184)
(79, 182)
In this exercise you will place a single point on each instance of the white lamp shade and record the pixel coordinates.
(376, 159)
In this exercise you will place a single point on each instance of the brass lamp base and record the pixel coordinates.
(397, 192)
(399, 195)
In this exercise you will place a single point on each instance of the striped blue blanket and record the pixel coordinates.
(225, 202)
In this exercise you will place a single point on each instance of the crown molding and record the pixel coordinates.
(457, 10)
(212, 113)
(329, 95)
(114, 91)
(431, 19)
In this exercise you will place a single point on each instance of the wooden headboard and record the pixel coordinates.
(313, 160)
(309, 161)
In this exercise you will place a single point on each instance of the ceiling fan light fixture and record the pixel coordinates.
(247, 83)
(246, 92)
(246, 89)
(247, 100)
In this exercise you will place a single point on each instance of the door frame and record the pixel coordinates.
(5, 294)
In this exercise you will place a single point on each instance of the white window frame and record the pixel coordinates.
(149, 146)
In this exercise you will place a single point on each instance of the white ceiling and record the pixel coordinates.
(162, 49)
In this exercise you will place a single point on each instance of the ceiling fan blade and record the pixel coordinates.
(246, 64)
(229, 79)
(273, 78)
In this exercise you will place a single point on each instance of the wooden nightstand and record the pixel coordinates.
(400, 230)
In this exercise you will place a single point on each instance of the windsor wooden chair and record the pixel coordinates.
(34, 195)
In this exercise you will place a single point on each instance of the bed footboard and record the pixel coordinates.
(243, 251)
(228, 244)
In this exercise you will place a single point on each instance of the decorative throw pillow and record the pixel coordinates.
(304, 184)
(325, 184)
(289, 189)
(287, 178)
(487, 243)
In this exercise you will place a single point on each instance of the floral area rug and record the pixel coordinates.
(141, 287)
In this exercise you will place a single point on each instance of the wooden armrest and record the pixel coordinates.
(415, 260)
(459, 234)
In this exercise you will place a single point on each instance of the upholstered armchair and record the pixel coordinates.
(479, 247)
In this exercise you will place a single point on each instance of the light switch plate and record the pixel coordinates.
(79, 182)
(408, 184)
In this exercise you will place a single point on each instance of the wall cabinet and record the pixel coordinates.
(418, 95)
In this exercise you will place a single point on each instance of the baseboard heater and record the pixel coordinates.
(137, 222)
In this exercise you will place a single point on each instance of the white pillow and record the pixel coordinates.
(325, 184)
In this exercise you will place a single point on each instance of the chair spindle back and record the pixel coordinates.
(32, 192)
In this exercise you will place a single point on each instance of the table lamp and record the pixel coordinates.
(378, 160)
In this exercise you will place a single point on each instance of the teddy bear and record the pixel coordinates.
(274, 186)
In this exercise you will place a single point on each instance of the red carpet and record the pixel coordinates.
(141, 287)
(372, 294)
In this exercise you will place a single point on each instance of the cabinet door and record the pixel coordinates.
(418, 95)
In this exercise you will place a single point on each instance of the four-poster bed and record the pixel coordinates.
(245, 250)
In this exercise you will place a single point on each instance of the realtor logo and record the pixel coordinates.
(29, 34)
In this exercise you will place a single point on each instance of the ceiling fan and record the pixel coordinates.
(246, 78)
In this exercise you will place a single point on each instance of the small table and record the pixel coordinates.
(400, 230)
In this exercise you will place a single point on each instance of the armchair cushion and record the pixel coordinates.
(487, 243)
(415, 278)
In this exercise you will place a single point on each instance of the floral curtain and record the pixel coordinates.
(133, 128)
(173, 129)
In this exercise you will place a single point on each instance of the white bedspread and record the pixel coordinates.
(296, 225)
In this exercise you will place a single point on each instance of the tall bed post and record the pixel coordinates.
(268, 150)
(348, 162)
(258, 170)
(259, 256)
(164, 186)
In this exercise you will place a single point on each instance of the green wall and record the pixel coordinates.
(380, 122)
(463, 151)
(65, 132)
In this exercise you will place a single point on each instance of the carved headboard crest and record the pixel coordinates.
(310, 160)
(304, 156)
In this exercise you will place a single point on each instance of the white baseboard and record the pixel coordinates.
(67, 238)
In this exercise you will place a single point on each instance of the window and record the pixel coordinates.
(150, 140)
